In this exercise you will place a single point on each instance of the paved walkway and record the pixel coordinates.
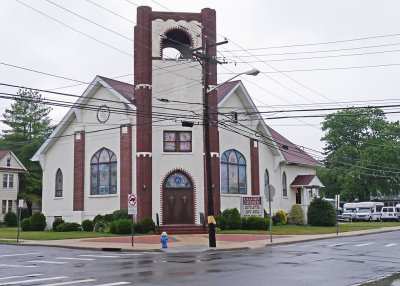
(193, 242)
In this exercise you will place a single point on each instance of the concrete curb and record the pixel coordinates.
(185, 250)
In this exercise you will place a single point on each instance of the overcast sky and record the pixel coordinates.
(358, 70)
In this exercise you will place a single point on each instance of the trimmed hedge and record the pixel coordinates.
(87, 225)
(26, 224)
(321, 213)
(68, 226)
(255, 223)
(56, 223)
(221, 221)
(10, 219)
(146, 225)
(118, 214)
(234, 220)
(296, 215)
(38, 222)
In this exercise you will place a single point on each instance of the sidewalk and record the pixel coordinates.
(193, 242)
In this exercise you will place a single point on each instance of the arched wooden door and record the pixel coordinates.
(178, 199)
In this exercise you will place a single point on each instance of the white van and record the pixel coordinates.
(349, 211)
(390, 213)
(368, 211)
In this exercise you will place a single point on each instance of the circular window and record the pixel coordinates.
(103, 113)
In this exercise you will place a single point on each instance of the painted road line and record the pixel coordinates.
(47, 262)
(69, 282)
(17, 266)
(19, 254)
(99, 256)
(135, 254)
(390, 244)
(76, 258)
(29, 281)
(337, 244)
(307, 245)
(364, 244)
(113, 284)
(20, 276)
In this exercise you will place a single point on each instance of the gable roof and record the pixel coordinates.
(22, 168)
(123, 91)
(288, 151)
(306, 181)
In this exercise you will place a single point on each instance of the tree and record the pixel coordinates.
(362, 151)
(29, 126)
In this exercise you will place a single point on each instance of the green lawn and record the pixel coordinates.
(11, 233)
(291, 229)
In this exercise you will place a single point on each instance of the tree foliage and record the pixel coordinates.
(362, 151)
(28, 127)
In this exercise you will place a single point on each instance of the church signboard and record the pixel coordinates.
(251, 206)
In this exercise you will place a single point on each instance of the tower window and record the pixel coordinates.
(176, 44)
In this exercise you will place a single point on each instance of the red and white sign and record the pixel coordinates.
(251, 206)
(21, 203)
(132, 200)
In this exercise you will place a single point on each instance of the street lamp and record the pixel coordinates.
(252, 72)
(207, 151)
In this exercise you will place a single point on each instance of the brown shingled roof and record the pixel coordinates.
(224, 89)
(3, 153)
(123, 88)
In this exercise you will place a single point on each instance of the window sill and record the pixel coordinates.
(58, 198)
(177, 153)
(103, 196)
(285, 197)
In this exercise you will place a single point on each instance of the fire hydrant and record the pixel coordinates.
(164, 240)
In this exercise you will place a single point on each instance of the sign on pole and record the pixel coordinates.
(132, 204)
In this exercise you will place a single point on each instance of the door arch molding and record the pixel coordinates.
(164, 189)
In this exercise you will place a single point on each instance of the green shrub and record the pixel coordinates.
(38, 222)
(245, 224)
(296, 215)
(123, 226)
(234, 221)
(321, 213)
(275, 220)
(10, 219)
(108, 218)
(57, 222)
(68, 226)
(256, 223)
(118, 214)
(26, 224)
(113, 227)
(25, 213)
(221, 221)
(281, 217)
(226, 213)
(146, 225)
(87, 225)
(97, 219)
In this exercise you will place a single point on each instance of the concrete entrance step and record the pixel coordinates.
(181, 229)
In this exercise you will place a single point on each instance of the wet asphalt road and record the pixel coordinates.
(338, 261)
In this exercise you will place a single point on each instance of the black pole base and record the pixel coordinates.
(212, 242)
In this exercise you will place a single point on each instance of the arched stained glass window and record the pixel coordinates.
(266, 178)
(177, 180)
(233, 173)
(284, 185)
(59, 183)
(103, 173)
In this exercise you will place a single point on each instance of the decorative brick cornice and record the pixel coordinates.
(142, 86)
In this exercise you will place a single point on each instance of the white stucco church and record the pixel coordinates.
(122, 139)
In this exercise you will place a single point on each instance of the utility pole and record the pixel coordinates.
(207, 60)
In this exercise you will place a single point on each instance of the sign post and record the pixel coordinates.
(270, 212)
(132, 210)
(337, 204)
(20, 205)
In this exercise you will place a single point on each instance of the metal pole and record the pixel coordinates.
(270, 213)
(19, 223)
(210, 199)
(132, 229)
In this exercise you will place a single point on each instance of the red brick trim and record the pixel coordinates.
(125, 172)
(79, 171)
(255, 168)
(194, 190)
